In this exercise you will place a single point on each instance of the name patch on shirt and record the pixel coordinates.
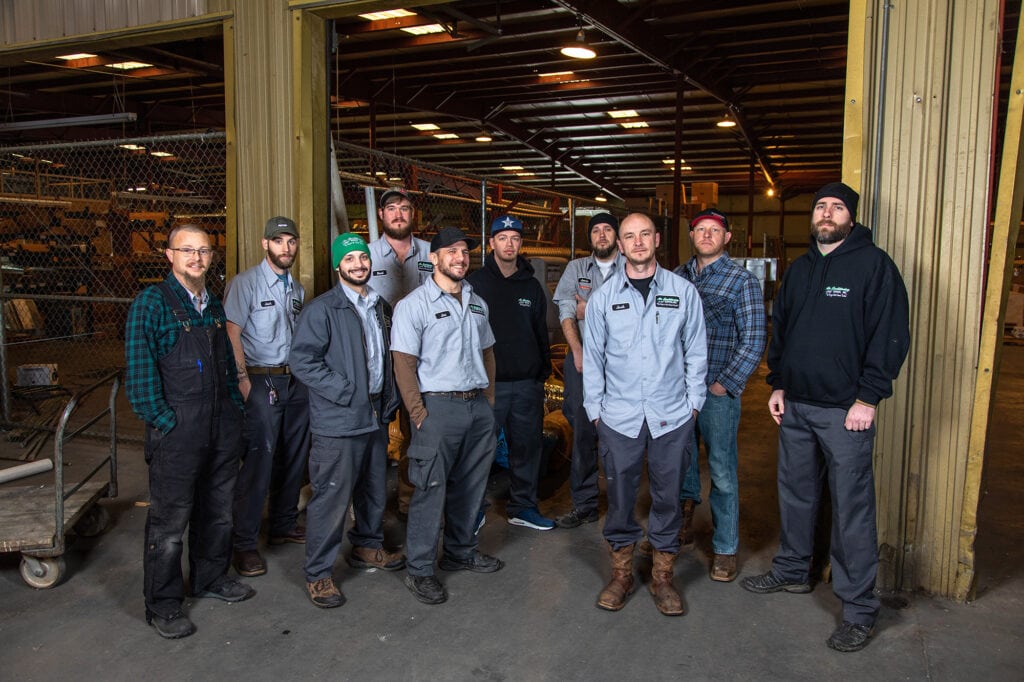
(379, 273)
(584, 283)
(837, 292)
(525, 302)
(475, 308)
(266, 304)
(425, 266)
(620, 306)
(666, 301)
(443, 314)
(296, 306)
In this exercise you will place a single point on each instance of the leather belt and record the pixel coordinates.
(283, 369)
(457, 395)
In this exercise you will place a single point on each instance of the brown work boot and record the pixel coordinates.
(686, 529)
(645, 549)
(324, 593)
(723, 569)
(375, 557)
(613, 596)
(666, 598)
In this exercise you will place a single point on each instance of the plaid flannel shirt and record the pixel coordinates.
(150, 334)
(735, 319)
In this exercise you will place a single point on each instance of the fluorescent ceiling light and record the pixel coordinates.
(122, 117)
(623, 113)
(554, 73)
(512, 168)
(672, 162)
(161, 154)
(446, 136)
(129, 66)
(483, 138)
(132, 147)
(635, 124)
(77, 55)
(424, 30)
(425, 126)
(387, 14)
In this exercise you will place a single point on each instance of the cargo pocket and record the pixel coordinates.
(424, 471)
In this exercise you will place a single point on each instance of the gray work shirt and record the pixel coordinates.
(393, 280)
(582, 277)
(372, 335)
(448, 338)
(646, 361)
(266, 309)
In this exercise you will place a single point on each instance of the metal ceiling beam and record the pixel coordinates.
(616, 21)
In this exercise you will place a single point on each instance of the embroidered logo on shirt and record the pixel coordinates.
(584, 283)
(837, 292)
(525, 302)
(476, 308)
(296, 306)
(425, 266)
(666, 301)
(443, 314)
(620, 306)
(266, 304)
(379, 273)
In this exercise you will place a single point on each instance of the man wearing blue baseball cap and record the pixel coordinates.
(522, 357)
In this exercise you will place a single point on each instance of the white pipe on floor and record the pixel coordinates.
(24, 470)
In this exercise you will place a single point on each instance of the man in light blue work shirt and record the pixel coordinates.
(444, 366)
(645, 350)
(262, 305)
(401, 262)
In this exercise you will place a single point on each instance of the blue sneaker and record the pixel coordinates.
(531, 518)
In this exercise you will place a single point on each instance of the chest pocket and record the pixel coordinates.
(624, 327)
(717, 311)
(266, 322)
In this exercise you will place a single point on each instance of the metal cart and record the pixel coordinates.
(34, 518)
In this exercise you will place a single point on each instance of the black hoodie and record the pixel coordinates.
(518, 316)
(840, 325)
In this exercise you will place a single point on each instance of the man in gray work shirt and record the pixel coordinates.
(401, 262)
(262, 305)
(582, 277)
(645, 350)
(444, 367)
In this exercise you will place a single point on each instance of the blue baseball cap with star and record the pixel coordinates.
(506, 222)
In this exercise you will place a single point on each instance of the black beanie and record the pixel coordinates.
(840, 191)
(599, 218)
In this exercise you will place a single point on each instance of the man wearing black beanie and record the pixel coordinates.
(840, 334)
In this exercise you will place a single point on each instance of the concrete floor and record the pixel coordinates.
(534, 620)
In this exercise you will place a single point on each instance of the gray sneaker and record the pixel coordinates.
(767, 583)
(576, 518)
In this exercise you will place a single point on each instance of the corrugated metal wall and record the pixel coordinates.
(934, 169)
(23, 21)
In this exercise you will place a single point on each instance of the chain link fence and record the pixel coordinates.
(82, 231)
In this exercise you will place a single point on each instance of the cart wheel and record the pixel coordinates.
(42, 573)
(93, 522)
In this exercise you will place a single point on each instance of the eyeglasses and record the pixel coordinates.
(189, 251)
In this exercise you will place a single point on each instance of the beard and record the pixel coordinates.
(605, 253)
(194, 283)
(836, 234)
(353, 280)
(281, 260)
(446, 271)
(400, 232)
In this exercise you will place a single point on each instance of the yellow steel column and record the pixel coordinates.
(1009, 198)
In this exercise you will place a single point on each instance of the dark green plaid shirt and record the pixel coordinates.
(150, 334)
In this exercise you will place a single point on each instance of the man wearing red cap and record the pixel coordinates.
(840, 333)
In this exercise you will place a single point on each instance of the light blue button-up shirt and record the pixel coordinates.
(393, 280)
(266, 309)
(373, 337)
(448, 338)
(582, 277)
(645, 361)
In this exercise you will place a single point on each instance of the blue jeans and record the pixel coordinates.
(717, 425)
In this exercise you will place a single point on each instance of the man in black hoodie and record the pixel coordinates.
(840, 333)
(522, 357)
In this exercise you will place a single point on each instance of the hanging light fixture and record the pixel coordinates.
(600, 198)
(577, 48)
(727, 121)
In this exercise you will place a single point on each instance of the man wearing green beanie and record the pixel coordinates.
(341, 352)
